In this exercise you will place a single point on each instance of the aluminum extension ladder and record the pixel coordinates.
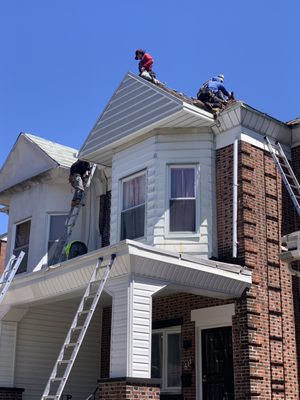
(56, 253)
(9, 273)
(77, 331)
(289, 179)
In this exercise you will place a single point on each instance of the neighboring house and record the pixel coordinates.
(198, 305)
(3, 242)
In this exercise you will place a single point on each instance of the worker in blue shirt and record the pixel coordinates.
(213, 93)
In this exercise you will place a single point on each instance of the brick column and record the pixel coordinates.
(129, 389)
(11, 393)
(264, 330)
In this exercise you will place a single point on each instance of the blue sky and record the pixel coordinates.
(61, 60)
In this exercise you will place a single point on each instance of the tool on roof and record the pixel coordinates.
(77, 331)
(9, 273)
(289, 179)
(57, 251)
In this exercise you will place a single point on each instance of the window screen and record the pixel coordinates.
(182, 199)
(133, 207)
(22, 243)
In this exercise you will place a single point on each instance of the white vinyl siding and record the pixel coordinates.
(8, 335)
(41, 334)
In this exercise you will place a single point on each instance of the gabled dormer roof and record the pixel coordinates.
(32, 156)
(137, 107)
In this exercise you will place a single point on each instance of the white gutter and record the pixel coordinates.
(235, 198)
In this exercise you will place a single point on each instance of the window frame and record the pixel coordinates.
(49, 215)
(15, 237)
(184, 234)
(165, 332)
(121, 182)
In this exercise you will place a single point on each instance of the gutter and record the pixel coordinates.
(235, 198)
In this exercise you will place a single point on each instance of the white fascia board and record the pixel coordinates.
(205, 115)
(72, 276)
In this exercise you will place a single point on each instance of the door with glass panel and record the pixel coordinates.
(217, 364)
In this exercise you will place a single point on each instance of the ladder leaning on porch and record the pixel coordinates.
(9, 273)
(287, 174)
(77, 331)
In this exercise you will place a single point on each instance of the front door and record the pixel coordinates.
(217, 364)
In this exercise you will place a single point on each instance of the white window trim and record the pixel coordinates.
(165, 332)
(12, 246)
(183, 234)
(126, 179)
(49, 215)
(206, 318)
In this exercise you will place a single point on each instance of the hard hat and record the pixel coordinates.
(221, 77)
(139, 51)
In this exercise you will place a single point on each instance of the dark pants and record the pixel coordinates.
(209, 98)
(78, 183)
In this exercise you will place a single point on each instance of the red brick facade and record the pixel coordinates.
(2, 255)
(128, 389)
(264, 331)
(11, 393)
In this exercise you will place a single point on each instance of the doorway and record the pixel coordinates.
(217, 364)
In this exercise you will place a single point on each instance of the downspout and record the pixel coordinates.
(235, 198)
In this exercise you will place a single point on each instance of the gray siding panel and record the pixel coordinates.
(135, 105)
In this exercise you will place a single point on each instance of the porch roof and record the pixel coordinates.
(177, 271)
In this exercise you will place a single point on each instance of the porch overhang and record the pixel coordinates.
(174, 270)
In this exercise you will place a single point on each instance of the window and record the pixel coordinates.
(133, 207)
(22, 243)
(182, 204)
(56, 230)
(166, 358)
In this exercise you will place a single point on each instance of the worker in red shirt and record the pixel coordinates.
(145, 65)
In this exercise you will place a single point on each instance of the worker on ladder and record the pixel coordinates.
(214, 94)
(79, 175)
(145, 65)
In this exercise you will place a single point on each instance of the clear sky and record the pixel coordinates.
(61, 60)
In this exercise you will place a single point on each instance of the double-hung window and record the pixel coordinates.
(182, 202)
(133, 206)
(56, 230)
(166, 358)
(22, 237)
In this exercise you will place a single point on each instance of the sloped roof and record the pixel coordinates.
(294, 121)
(63, 155)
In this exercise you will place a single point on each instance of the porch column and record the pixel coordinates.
(131, 326)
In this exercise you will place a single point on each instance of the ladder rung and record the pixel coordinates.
(85, 312)
(294, 186)
(72, 344)
(58, 379)
(78, 328)
(64, 361)
(49, 397)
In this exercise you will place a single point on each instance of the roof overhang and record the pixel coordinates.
(176, 271)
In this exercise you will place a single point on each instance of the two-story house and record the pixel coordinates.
(198, 305)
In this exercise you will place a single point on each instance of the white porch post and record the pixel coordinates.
(131, 326)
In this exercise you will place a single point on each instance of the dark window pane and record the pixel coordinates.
(134, 192)
(156, 356)
(133, 223)
(57, 225)
(174, 360)
(22, 243)
(182, 215)
(182, 182)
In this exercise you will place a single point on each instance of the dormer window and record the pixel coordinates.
(133, 206)
(22, 236)
(182, 202)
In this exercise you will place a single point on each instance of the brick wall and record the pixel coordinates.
(11, 393)
(2, 256)
(128, 389)
(264, 330)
